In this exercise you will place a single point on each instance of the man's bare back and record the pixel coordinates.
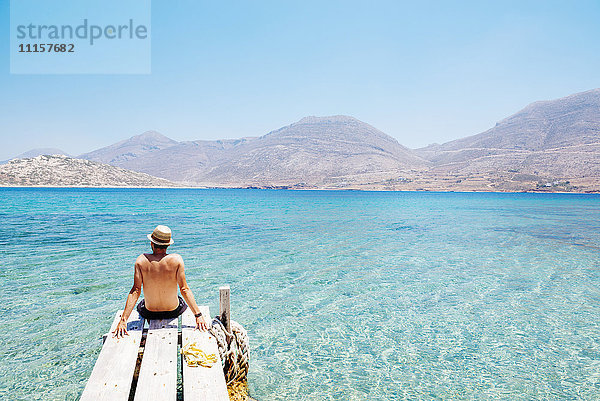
(159, 274)
(160, 278)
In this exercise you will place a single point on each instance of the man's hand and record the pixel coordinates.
(201, 324)
(121, 330)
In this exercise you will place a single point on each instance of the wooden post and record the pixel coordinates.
(224, 308)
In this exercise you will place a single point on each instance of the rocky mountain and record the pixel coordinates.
(38, 152)
(314, 151)
(542, 126)
(184, 161)
(130, 149)
(548, 141)
(548, 146)
(59, 170)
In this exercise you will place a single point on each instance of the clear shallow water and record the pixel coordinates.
(345, 295)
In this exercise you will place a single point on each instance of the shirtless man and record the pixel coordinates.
(159, 273)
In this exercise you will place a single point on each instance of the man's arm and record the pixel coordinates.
(132, 298)
(187, 295)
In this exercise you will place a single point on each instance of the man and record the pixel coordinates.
(159, 274)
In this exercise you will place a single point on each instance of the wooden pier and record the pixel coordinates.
(143, 365)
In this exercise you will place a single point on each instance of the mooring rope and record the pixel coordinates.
(233, 350)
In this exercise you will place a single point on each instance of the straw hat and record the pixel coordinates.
(161, 236)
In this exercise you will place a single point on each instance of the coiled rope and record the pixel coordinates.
(233, 350)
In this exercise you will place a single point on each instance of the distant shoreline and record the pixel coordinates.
(300, 189)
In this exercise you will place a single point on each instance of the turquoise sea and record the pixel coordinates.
(345, 295)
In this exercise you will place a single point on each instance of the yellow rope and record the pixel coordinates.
(194, 356)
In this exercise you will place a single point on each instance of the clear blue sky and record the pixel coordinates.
(423, 72)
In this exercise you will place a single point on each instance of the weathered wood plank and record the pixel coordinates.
(158, 373)
(200, 383)
(113, 372)
(224, 308)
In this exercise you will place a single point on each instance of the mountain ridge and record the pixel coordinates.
(546, 142)
(535, 127)
(130, 148)
(263, 160)
(314, 151)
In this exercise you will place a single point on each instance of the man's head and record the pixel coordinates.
(160, 237)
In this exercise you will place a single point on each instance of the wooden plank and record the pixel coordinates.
(113, 372)
(224, 307)
(200, 383)
(158, 373)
